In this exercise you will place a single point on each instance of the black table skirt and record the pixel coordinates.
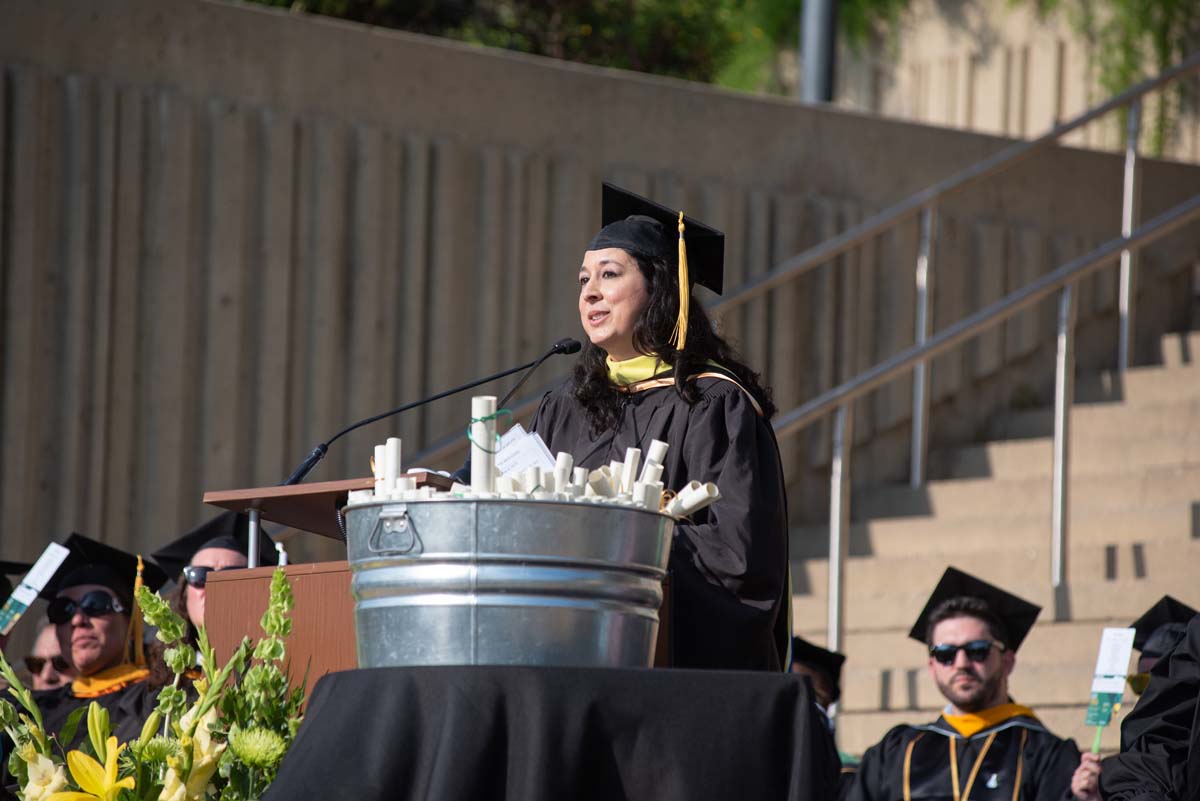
(557, 734)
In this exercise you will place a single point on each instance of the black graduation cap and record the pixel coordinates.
(632, 222)
(822, 659)
(10, 569)
(92, 562)
(1015, 613)
(1161, 627)
(227, 530)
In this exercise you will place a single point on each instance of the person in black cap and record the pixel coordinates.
(1160, 737)
(824, 669)
(221, 543)
(99, 629)
(984, 746)
(655, 368)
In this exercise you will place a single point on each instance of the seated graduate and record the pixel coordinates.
(99, 629)
(48, 668)
(221, 543)
(1160, 737)
(984, 746)
(824, 669)
(655, 368)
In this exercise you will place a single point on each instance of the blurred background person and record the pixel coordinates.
(48, 668)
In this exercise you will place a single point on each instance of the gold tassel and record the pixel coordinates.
(135, 622)
(681, 321)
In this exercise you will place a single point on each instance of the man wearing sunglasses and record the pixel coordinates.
(984, 747)
(47, 666)
(92, 607)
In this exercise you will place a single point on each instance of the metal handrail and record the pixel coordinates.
(975, 324)
(873, 226)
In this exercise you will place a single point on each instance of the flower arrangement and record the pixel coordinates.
(225, 745)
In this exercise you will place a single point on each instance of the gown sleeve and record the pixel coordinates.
(1159, 736)
(1056, 762)
(881, 768)
(729, 565)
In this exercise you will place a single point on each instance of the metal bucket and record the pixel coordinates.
(451, 582)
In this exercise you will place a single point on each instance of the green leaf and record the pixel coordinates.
(66, 735)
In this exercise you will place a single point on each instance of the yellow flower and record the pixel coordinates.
(96, 781)
(45, 779)
(205, 753)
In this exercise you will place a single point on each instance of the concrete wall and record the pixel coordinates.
(997, 67)
(228, 230)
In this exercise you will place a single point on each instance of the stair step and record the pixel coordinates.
(939, 538)
(1089, 456)
(1178, 416)
(1181, 349)
(1143, 385)
(857, 731)
(1013, 497)
(1097, 565)
(870, 608)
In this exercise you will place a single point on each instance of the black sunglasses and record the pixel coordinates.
(36, 663)
(976, 651)
(197, 575)
(96, 603)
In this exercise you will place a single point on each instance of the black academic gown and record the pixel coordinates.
(127, 708)
(729, 565)
(1160, 737)
(1017, 751)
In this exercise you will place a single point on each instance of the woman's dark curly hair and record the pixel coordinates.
(652, 336)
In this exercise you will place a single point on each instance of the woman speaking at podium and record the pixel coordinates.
(655, 368)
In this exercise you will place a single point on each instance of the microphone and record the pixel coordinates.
(567, 345)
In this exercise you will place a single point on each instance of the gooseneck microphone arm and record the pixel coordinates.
(564, 346)
(318, 453)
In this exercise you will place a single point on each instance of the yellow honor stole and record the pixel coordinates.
(973, 723)
(631, 371)
(108, 681)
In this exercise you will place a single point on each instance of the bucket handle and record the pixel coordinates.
(395, 522)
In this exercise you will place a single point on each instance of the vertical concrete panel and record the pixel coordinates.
(454, 304)
(413, 300)
(787, 344)
(758, 262)
(574, 219)
(985, 353)
(951, 277)
(865, 302)
(223, 431)
(490, 283)
(101, 243)
(514, 210)
(537, 249)
(1025, 263)
(371, 347)
(132, 139)
(821, 329)
(896, 319)
(273, 237)
(727, 205)
(74, 381)
(170, 313)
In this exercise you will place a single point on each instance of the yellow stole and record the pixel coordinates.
(631, 371)
(975, 722)
(108, 681)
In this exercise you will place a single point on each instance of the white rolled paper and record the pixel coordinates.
(504, 484)
(563, 463)
(633, 457)
(391, 461)
(657, 452)
(483, 442)
(459, 489)
(579, 477)
(550, 481)
(531, 479)
(652, 472)
(694, 497)
(616, 475)
(380, 457)
(600, 481)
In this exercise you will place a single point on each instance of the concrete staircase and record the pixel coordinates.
(1134, 535)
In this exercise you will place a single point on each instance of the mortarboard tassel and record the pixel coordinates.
(681, 321)
(135, 622)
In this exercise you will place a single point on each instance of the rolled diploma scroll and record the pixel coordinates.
(694, 497)
(563, 463)
(580, 477)
(652, 473)
(629, 470)
(656, 453)
(531, 479)
(616, 471)
(381, 487)
(600, 482)
(483, 442)
(391, 463)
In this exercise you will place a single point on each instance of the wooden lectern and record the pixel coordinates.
(322, 639)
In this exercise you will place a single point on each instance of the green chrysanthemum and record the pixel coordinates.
(159, 749)
(258, 748)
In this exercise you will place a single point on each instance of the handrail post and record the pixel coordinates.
(922, 369)
(839, 527)
(1064, 393)
(1130, 211)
